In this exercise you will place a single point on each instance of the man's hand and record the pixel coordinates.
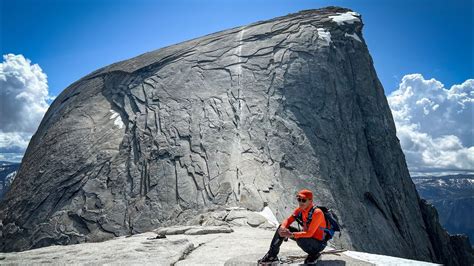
(284, 232)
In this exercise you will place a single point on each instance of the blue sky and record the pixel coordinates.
(72, 38)
(422, 50)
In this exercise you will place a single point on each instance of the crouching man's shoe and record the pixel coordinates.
(312, 258)
(268, 259)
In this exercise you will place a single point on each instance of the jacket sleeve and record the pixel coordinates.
(316, 222)
(288, 221)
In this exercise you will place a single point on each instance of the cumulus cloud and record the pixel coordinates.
(434, 124)
(23, 102)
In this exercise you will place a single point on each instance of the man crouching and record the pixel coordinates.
(310, 239)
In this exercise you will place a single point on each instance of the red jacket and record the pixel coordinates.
(316, 228)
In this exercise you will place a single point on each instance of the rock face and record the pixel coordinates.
(244, 117)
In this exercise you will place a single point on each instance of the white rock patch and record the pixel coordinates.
(118, 120)
(348, 17)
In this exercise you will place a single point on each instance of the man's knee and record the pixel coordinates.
(278, 229)
(310, 245)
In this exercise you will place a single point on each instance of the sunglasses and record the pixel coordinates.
(301, 200)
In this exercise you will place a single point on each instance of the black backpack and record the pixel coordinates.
(332, 225)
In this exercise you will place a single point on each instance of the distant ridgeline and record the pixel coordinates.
(453, 197)
(8, 172)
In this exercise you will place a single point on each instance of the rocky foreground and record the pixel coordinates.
(190, 245)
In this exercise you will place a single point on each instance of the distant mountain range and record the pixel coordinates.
(8, 172)
(453, 197)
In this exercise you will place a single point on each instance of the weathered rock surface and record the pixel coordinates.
(243, 117)
(135, 250)
(241, 247)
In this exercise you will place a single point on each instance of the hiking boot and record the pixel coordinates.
(312, 258)
(268, 259)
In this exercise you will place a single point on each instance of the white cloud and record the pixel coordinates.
(434, 124)
(23, 103)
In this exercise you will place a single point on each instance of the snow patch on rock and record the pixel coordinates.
(324, 36)
(10, 177)
(268, 214)
(384, 260)
(118, 120)
(353, 36)
(346, 18)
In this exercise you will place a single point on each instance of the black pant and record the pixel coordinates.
(311, 246)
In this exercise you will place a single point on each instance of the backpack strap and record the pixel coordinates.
(299, 217)
(310, 215)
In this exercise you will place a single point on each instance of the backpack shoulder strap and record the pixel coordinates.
(310, 214)
(299, 218)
